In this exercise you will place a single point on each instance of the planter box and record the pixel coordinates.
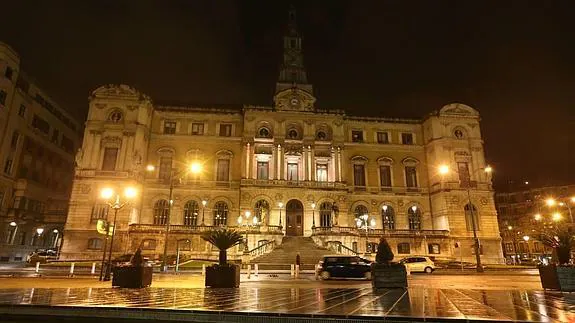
(132, 277)
(223, 277)
(388, 276)
(557, 278)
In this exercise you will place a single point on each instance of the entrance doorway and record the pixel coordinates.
(294, 218)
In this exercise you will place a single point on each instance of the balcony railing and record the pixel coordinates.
(281, 182)
(474, 185)
(103, 173)
(378, 232)
(198, 229)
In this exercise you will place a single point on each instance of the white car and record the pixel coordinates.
(418, 264)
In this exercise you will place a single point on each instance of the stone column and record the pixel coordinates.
(309, 163)
(331, 170)
(95, 158)
(304, 163)
(247, 170)
(313, 167)
(272, 164)
(279, 163)
(339, 164)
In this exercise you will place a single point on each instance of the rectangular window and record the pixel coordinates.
(464, 178)
(8, 166)
(197, 129)
(509, 247)
(110, 156)
(357, 136)
(385, 176)
(8, 73)
(263, 170)
(292, 172)
(358, 175)
(99, 212)
(169, 127)
(225, 130)
(2, 97)
(382, 137)
(321, 173)
(14, 140)
(41, 124)
(407, 138)
(55, 135)
(403, 248)
(223, 174)
(22, 110)
(434, 248)
(165, 170)
(410, 176)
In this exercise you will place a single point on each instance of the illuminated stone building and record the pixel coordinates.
(524, 214)
(37, 145)
(299, 170)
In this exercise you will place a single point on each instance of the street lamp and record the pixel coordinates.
(113, 200)
(443, 169)
(363, 222)
(512, 235)
(563, 203)
(194, 168)
(280, 205)
(245, 222)
(15, 226)
(57, 235)
(556, 216)
(313, 215)
(526, 239)
(479, 267)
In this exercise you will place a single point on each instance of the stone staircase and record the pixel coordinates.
(285, 254)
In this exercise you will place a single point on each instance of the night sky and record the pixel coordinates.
(514, 61)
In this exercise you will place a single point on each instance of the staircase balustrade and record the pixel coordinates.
(263, 248)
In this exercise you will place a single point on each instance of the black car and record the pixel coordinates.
(341, 266)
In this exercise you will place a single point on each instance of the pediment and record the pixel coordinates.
(118, 91)
(458, 109)
(294, 99)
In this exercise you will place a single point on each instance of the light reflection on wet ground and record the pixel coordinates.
(422, 303)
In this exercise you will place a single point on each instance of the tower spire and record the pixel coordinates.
(292, 72)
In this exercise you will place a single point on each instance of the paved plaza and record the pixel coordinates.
(248, 304)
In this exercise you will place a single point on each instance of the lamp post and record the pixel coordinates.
(204, 202)
(363, 222)
(313, 215)
(178, 253)
(194, 168)
(526, 238)
(39, 232)
(107, 194)
(56, 236)
(512, 235)
(551, 202)
(245, 222)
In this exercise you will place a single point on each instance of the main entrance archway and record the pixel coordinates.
(294, 218)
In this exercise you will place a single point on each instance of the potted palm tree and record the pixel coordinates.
(384, 272)
(561, 274)
(223, 274)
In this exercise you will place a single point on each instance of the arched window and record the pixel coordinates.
(360, 210)
(325, 211)
(262, 211)
(191, 210)
(220, 213)
(414, 218)
(264, 132)
(388, 217)
(471, 218)
(95, 244)
(292, 134)
(161, 210)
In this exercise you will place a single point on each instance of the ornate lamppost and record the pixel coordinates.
(363, 222)
(204, 202)
(113, 200)
(280, 205)
(313, 215)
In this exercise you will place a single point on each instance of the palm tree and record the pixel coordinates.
(223, 240)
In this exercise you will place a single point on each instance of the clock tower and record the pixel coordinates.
(293, 92)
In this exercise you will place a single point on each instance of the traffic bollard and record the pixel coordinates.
(256, 269)
(292, 270)
(37, 267)
(296, 271)
(93, 271)
(72, 269)
(203, 269)
(249, 271)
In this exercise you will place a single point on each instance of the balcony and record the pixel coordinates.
(199, 229)
(286, 183)
(194, 183)
(473, 185)
(103, 173)
(380, 232)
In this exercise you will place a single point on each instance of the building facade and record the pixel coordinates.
(524, 214)
(37, 145)
(298, 170)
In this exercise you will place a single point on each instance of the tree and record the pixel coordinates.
(223, 240)
(384, 254)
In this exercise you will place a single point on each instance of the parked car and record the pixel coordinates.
(42, 256)
(341, 266)
(418, 264)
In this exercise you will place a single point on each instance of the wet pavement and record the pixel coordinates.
(288, 304)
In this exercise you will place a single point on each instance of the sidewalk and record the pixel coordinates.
(270, 304)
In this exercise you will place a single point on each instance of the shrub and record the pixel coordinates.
(384, 254)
